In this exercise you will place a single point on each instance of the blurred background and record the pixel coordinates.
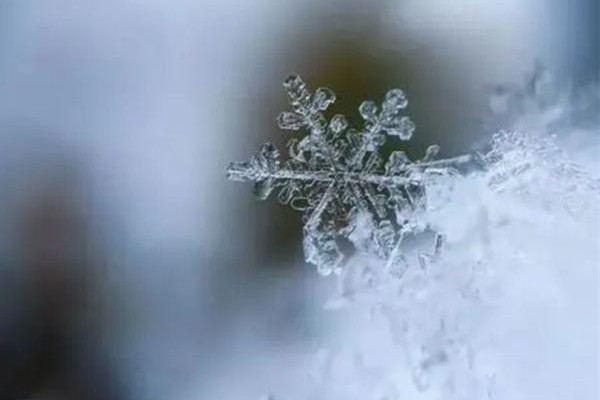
(130, 268)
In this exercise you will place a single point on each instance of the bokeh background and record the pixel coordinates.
(130, 267)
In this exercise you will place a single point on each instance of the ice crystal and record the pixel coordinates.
(442, 331)
(440, 320)
(337, 177)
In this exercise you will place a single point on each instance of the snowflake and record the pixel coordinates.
(337, 177)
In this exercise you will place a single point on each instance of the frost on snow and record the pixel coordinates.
(338, 178)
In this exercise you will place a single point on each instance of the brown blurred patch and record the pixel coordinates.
(49, 351)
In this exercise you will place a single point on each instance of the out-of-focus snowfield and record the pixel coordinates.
(152, 99)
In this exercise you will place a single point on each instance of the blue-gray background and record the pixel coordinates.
(117, 120)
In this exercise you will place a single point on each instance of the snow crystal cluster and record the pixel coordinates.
(467, 284)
